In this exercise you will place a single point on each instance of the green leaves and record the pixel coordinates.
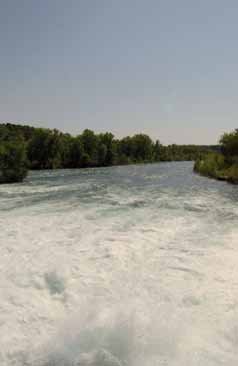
(229, 145)
(223, 166)
(13, 161)
(210, 165)
(52, 149)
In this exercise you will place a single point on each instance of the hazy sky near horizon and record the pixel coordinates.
(167, 68)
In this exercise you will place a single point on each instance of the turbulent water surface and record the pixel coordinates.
(133, 266)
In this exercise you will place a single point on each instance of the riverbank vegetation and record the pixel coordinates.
(221, 165)
(13, 160)
(25, 147)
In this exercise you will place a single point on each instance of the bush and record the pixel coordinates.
(232, 174)
(13, 161)
(210, 165)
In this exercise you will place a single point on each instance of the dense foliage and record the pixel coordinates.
(52, 149)
(13, 161)
(223, 165)
(229, 147)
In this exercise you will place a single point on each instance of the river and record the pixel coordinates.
(132, 266)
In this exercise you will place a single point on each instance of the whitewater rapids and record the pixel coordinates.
(121, 266)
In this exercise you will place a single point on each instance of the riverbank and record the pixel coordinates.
(214, 166)
(25, 147)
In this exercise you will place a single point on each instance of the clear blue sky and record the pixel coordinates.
(168, 68)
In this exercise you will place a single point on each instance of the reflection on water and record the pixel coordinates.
(133, 265)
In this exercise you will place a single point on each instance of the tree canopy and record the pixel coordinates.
(40, 148)
(13, 161)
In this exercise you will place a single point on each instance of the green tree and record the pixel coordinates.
(102, 154)
(45, 149)
(50, 149)
(156, 151)
(107, 147)
(90, 146)
(13, 161)
(76, 153)
(142, 147)
(125, 147)
(229, 146)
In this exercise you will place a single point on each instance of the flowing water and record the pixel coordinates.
(126, 266)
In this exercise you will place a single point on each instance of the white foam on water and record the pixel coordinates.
(115, 273)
